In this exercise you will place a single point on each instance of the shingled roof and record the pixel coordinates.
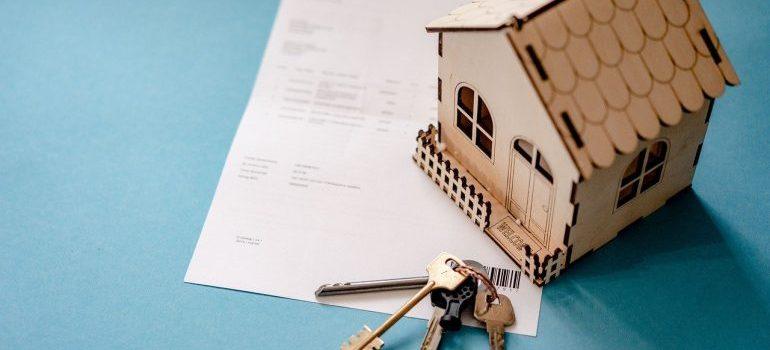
(612, 72)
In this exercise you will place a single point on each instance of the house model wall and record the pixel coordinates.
(562, 122)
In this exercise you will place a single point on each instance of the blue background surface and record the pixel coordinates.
(115, 120)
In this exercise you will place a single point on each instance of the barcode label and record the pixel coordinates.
(504, 278)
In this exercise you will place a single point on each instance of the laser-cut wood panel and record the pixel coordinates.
(592, 83)
(640, 54)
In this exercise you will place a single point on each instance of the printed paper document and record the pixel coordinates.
(319, 185)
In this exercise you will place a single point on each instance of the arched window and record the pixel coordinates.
(644, 172)
(474, 120)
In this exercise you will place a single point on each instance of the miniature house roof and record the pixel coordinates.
(612, 72)
(486, 14)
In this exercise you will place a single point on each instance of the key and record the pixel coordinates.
(344, 288)
(496, 316)
(375, 344)
(447, 307)
(460, 299)
(371, 286)
(454, 302)
(435, 332)
(440, 275)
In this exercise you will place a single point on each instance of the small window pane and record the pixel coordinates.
(657, 155)
(627, 193)
(464, 124)
(634, 170)
(484, 143)
(651, 178)
(465, 99)
(524, 148)
(484, 118)
(542, 166)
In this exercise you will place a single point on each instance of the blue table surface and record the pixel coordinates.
(115, 120)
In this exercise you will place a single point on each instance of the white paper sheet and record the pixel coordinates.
(319, 185)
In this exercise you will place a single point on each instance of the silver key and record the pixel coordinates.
(434, 333)
(344, 288)
(496, 316)
(371, 286)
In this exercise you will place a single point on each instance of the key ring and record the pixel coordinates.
(469, 271)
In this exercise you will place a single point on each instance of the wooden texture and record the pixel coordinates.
(657, 61)
(643, 117)
(643, 60)
(528, 37)
(580, 53)
(609, 78)
(625, 4)
(621, 131)
(519, 115)
(600, 10)
(485, 15)
(635, 74)
(590, 101)
(651, 18)
(665, 104)
(599, 146)
(600, 219)
(613, 87)
(708, 75)
(676, 11)
(482, 208)
(629, 31)
(467, 193)
(522, 115)
(576, 17)
(679, 48)
(553, 30)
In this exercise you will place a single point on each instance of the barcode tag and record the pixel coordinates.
(504, 278)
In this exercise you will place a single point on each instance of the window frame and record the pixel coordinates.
(473, 118)
(637, 181)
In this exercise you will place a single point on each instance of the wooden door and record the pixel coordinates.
(518, 200)
(530, 189)
(540, 208)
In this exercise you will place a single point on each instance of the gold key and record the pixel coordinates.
(440, 276)
(495, 316)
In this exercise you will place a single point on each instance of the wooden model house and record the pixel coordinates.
(562, 122)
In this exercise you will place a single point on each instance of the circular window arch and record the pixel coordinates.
(473, 118)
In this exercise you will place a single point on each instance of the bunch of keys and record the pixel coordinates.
(454, 285)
